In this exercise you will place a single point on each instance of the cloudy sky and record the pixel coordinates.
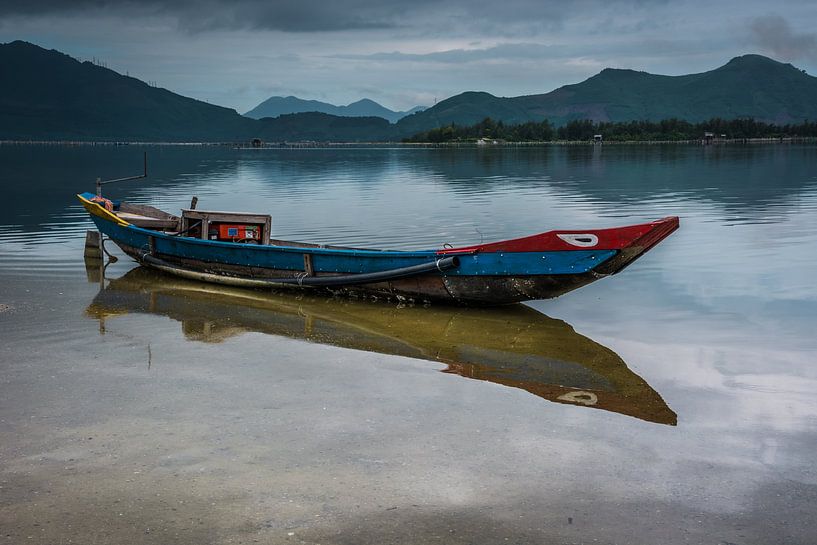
(404, 53)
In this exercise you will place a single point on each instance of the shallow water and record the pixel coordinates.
(672, 403)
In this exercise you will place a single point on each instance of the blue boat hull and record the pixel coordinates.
(472, 275)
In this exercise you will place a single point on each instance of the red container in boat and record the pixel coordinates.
(228, 231)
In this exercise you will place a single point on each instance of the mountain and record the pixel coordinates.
(466, 108)
(275, 106)
(47, 95)
(748, 86)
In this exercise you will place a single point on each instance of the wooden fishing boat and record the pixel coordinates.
(514, 346)
(237, 249)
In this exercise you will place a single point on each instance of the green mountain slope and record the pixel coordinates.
(464, 109)
(49, 95)
(747, 86)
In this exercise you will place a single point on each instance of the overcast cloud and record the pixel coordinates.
(774, 34)
(238, 53)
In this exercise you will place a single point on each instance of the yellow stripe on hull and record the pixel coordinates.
(98, 210)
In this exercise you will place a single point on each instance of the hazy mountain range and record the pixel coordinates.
(275, 106)
(48, 95)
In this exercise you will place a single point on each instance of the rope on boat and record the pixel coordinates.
(441, 265)
(190, 228)
(107, 204)
(111, 258)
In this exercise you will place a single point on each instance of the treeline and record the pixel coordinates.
(488, 128)
(646, 131)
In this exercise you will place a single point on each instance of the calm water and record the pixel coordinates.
(673, 403)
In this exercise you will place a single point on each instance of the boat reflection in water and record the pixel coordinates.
(514, 346)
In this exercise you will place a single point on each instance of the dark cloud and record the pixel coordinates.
(283, 15)
(518, 17)
(25, 8)
(293, 16)
(774, 34)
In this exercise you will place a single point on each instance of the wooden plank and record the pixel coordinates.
(205, 226)
(145, 210)
(149, 223)
(265, 236)
(93, 244)
(235, 217)
(308, 269)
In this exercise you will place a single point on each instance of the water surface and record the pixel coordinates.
(146, 410)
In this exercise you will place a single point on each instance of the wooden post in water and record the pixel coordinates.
(94, 265)
(93, 244)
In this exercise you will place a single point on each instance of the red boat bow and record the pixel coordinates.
(643, 236)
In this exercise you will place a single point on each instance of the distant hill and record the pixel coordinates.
(748, 86)
(275, 106)
(47, 95)
(466, 108)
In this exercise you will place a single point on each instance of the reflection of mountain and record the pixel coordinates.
(745, 181)
(749, 181)
(514, 346)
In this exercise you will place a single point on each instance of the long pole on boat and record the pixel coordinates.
(100, 182)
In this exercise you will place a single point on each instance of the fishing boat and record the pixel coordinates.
(237, 249)
(514, 346)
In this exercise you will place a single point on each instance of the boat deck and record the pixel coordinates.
(148, 222)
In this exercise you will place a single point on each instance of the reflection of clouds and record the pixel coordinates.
(728, 379)
(308, 429)
(760, 263)
(720, 319)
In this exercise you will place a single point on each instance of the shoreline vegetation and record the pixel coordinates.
(448, 144)
(496, 133)
(668, 130)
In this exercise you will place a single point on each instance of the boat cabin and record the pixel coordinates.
(226, 226)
